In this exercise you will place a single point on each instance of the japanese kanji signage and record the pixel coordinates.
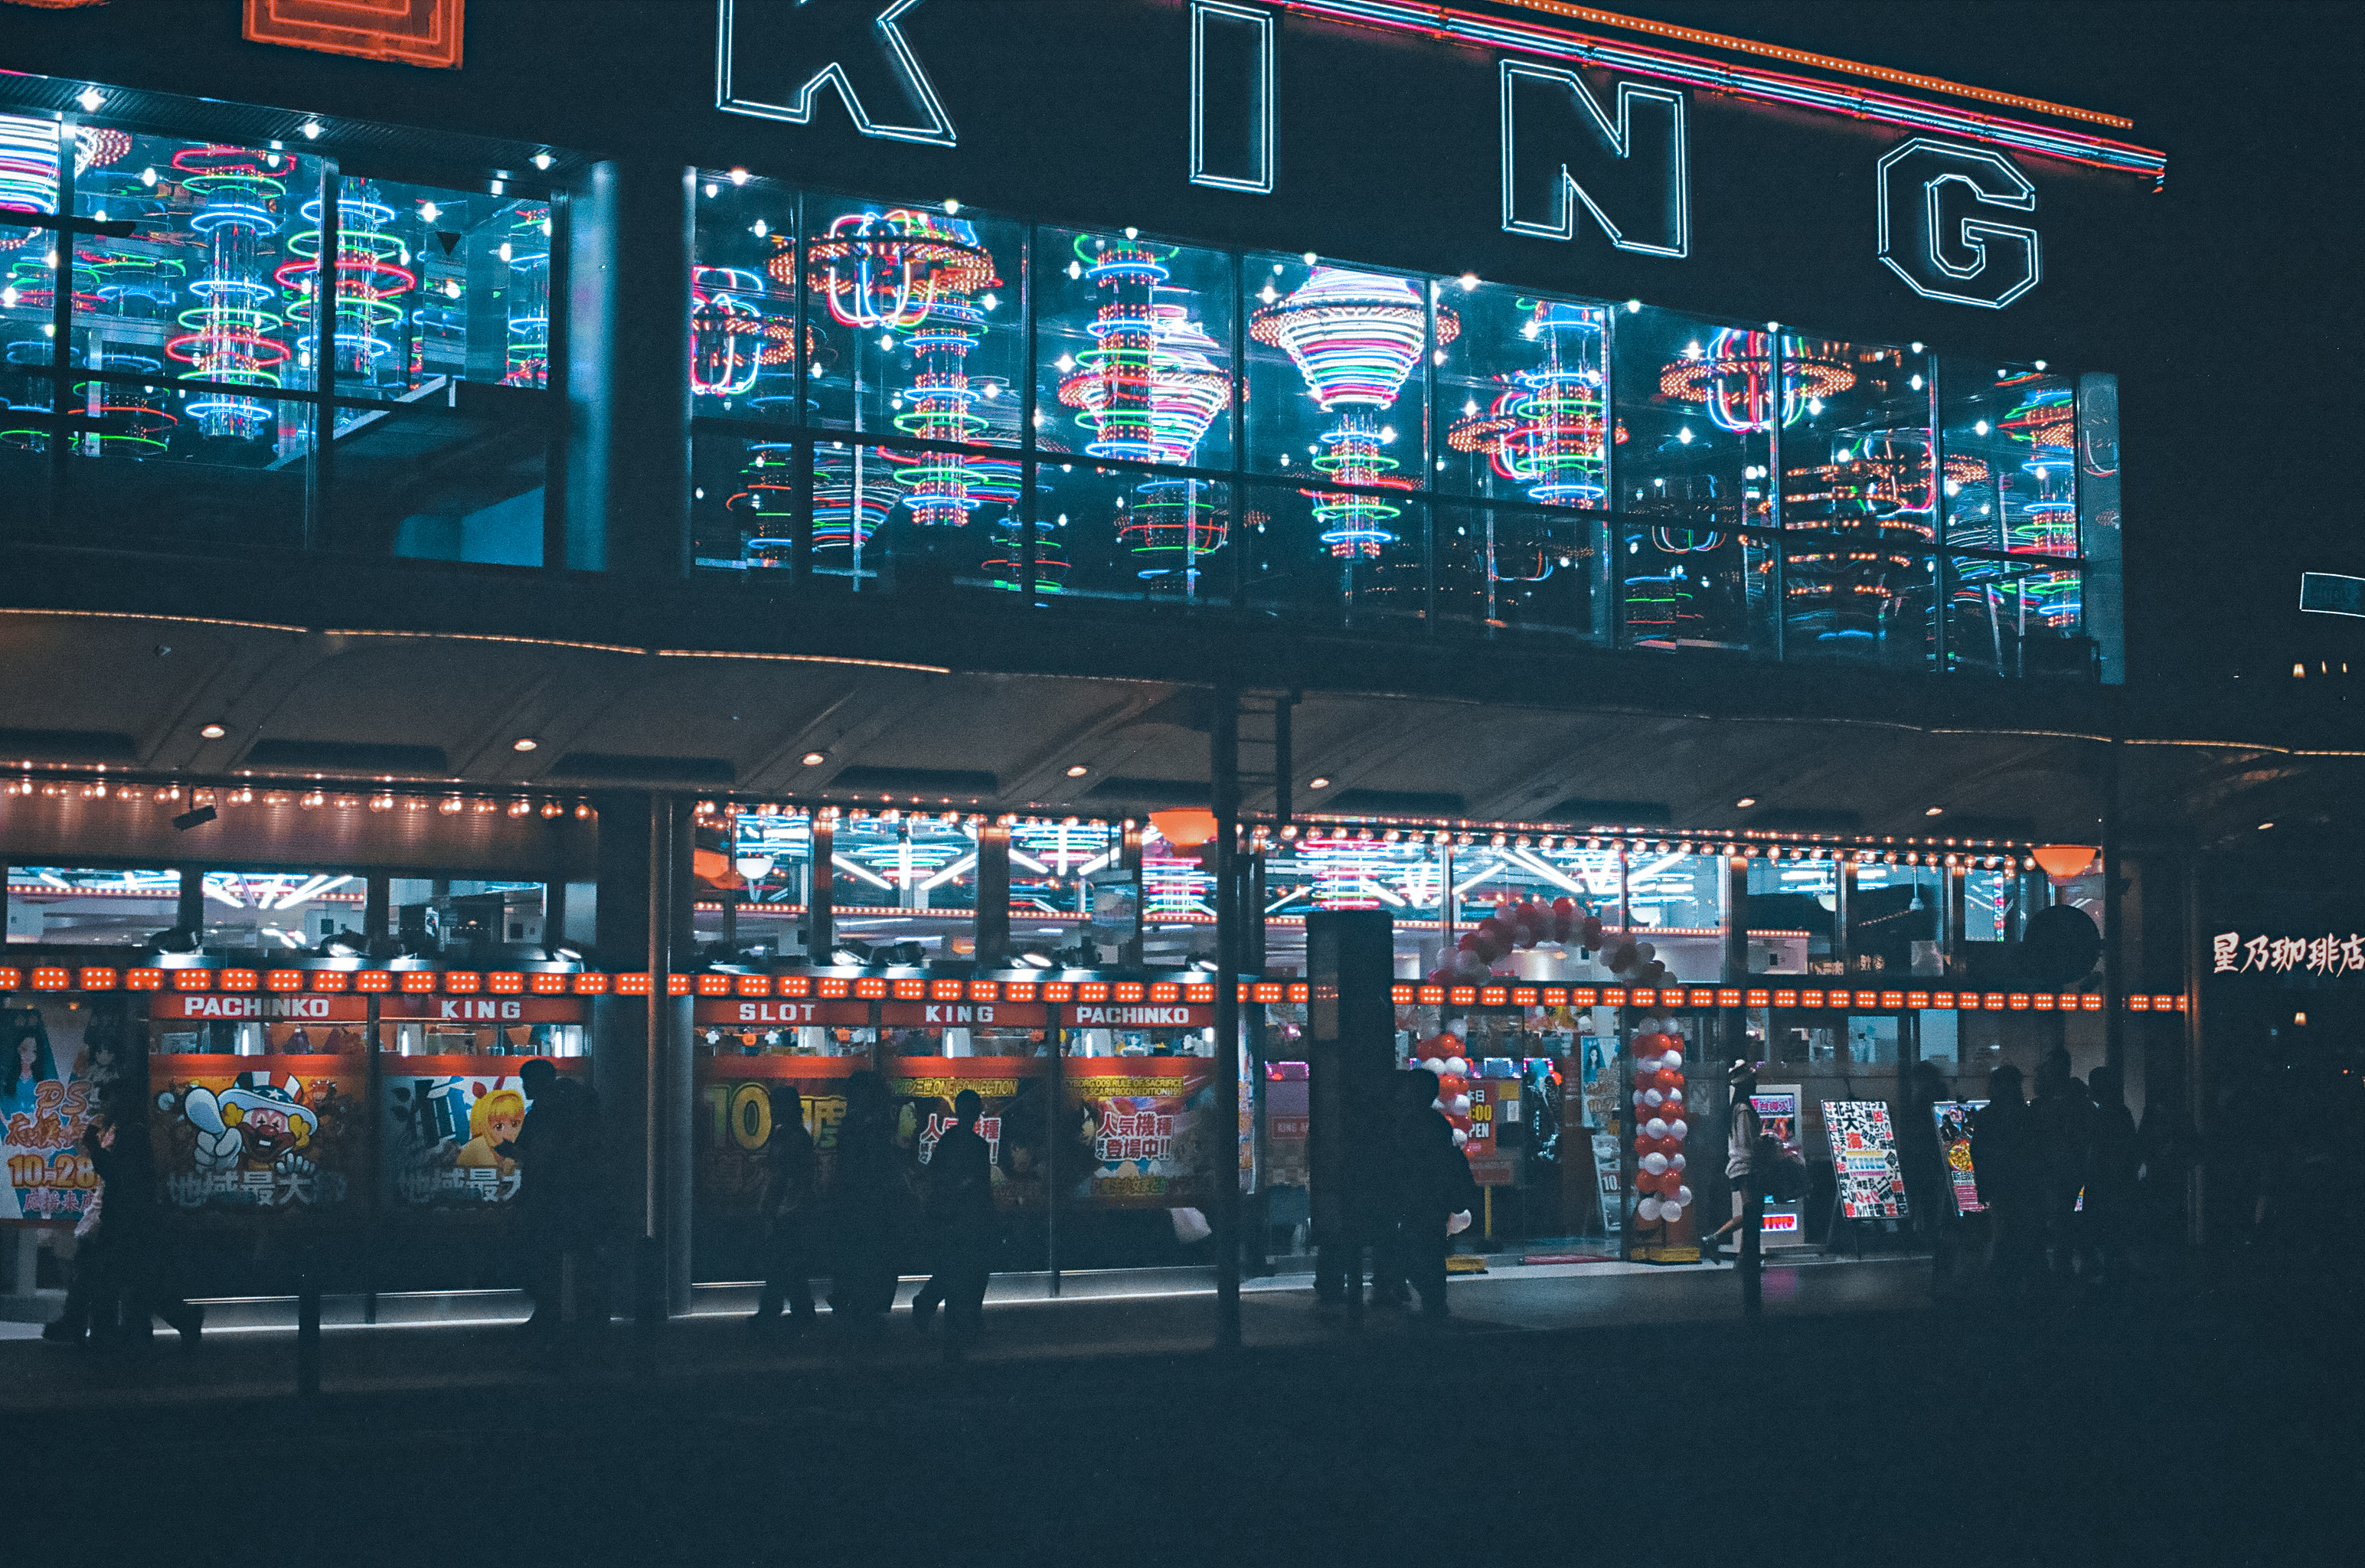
(1016, 1123)
(2328, 957)
(450, 1123)
(1863, 1158)
(1142, 1130)
(734, 1122)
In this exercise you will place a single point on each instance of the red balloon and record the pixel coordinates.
(1666, 1077)
(1588, 932)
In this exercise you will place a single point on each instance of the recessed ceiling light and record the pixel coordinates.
(1746, 801)
(2263, 826)
(90, 99)
(1317, 783)
(1078, 771)
(524, 743)
(214, 732)
(311, 130)
(815, 758)
(1934, 811)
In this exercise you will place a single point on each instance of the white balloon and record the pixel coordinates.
(1676, 1163)
(1654, 1163)
(1460, 1138)
(1459, 1067)
(1675, 1096)
(1677, 1130)
(1648, 1209)
(1674, 1060)
(1437, 1104)
(1459, 1028)
(1638, 1097)
(1654, 1128)
(1683, 1197)
(1461, 1104)
(1652, 1098)
(1647, 1063)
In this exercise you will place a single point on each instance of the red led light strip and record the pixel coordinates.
(1752, 81)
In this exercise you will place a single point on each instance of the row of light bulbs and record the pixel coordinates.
(310, 799)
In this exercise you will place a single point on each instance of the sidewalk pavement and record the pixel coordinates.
(470, 1339)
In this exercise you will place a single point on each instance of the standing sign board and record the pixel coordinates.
(1863, 1158)
(1776, 1105)
(1953, 1118)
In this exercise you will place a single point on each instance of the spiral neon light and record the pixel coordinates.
(1354, 338)
(1734, 377)
(372, 278)
(854, 493)
(729, 332)
(1545, 430)
(526, 252)
(1148, 389)
(28, 171)
(228, 337)
(916, 273)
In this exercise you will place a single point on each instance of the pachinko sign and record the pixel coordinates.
(276, 1133)
(450, 1129)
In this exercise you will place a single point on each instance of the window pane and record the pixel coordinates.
(25, 324)
(917, 320)
(431, 284)
(1048, 865)
(2007, 616)
(1335, 556)
(1685, 587)
(1513, 568)
(1871, 605)
(2011, 439)
(1125, 533)
(1695, 405)
(888, 520)
(1521, 382)
(742, 301)
(1132, 342)
(213, 284)
(1317, 872)
(1856, 507)
(70, 905)
(180, 465)
(743, 503)
(1336, 381)
(455, 474)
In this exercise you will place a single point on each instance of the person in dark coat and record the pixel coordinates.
(2005, 1160)
(561, 1211)
(1434, 1183)
(789, 1203)
(118, 1282)
(960, 1215)
(867, 1201)
(2063, 1116)
(2113, 1161)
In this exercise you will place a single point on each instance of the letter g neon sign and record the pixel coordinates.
(1978, 262)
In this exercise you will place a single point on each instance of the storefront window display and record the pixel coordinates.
(742, 301)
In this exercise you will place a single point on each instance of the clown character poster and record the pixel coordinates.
(63, 1058)
(1953, 1119)
(450, 1129)
(242, 1133)
(1014, 1121)
(736, 1121)
(1145, 1131)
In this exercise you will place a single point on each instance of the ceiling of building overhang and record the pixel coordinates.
(134, 694)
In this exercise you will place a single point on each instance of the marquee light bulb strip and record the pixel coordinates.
(1148, 390)
(917, 272)
(1544, 431)
(1354, 338)
(230, 331)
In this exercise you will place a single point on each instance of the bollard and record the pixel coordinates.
(307, 1332)
(648, 1299)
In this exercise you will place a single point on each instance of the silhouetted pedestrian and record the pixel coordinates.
(788, 1204)
(562, 1208)
(866, 1199)
(2064, 1117)
(1436, 1185)
(2112, 1165)
(960, 1215)
(2005, 1160)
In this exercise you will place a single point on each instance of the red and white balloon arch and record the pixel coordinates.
(1528, 922)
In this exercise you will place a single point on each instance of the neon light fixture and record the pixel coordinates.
(229, 331)
(1733, 376)
(28, 171)
(526, 252)
(373, 276)
(1148, 389)
(1354, 337)
(1544, 430)
(732, 338)
(917, 272)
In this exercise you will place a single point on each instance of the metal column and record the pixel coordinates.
(1224, 765)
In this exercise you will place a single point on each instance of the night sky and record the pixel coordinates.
(2242, 309)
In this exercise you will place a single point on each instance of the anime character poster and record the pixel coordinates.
(61, 1058)
(735, 1124)
(449, 1125)
(1015, 1122)
(1863, 1158)
(1953, 1119)
(1144, 1130)
(237, 1134)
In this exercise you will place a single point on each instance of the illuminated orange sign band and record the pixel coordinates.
(407, 32)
